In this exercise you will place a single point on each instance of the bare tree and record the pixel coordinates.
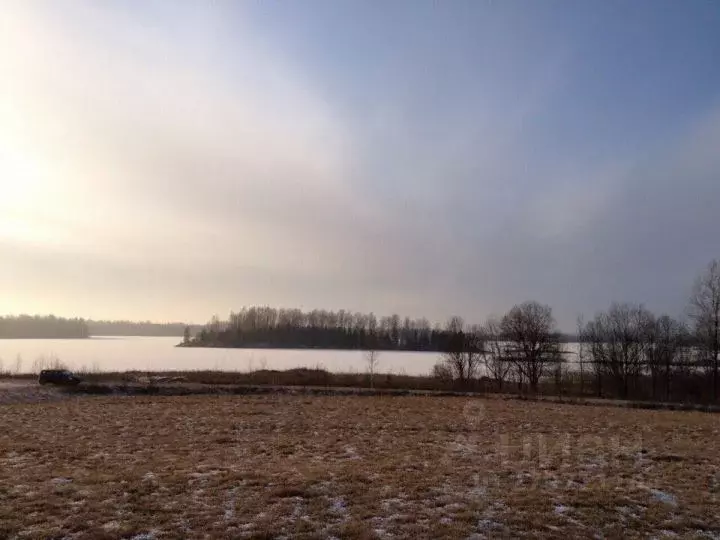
(497, 363)
(591, 338)
(47, 362)
(464, 352)
(533, 341)
(669, 342)
(618, 343)
(442, 372)
(561, 371)
(372, 358)
(704, 310)
(582, 352)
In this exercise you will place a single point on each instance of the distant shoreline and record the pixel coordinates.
(44, 337)
(296, 348)
(68, 338)
(194, 345)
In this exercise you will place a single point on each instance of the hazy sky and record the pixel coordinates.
(171, 160)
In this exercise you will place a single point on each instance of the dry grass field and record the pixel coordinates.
(354, 467)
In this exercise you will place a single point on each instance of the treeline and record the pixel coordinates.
(625, 352)
(634, 354)
(42, 327)
(50, 326)
(144, 328)
(293, 328)
(259, 327)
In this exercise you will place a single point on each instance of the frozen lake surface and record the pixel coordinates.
(160, 354)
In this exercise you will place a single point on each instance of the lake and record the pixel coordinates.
(160, 354)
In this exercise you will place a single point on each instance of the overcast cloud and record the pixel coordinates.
(171, 161)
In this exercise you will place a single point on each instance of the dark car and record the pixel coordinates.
(58, 376)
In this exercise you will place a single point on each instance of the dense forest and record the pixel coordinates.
(42, 327)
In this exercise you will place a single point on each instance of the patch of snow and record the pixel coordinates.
(572, 484)
(298, 510)
(561, 509)
(230, 506)
(445, 520)
(339, 506)
(553, 483)
(521, 477)
(663, 497)
(60, 480)
(707, 534)
(628, 511)
(143, 536)
(111, 526)
(387, 503)
(488, 525)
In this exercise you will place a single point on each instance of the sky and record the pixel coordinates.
(173, 160)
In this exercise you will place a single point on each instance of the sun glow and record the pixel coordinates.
(23, 194)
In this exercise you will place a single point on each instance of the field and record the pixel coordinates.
(353, 467)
